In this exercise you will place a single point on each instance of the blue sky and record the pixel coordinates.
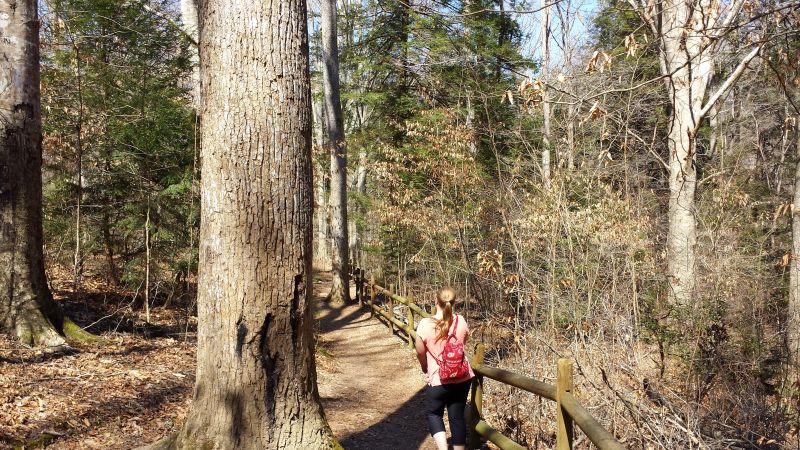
(580, 16)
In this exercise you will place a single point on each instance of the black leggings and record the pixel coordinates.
(454, 397)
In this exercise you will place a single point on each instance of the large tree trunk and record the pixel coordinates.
(256, 384)
(687, 66)
(340, 290)
(688, 34)
(682, 232)
(26, 306)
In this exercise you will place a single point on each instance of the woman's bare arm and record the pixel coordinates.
(419, 345)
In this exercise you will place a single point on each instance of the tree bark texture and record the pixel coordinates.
(256, 382)
(687, 64)
(340, 290)
(793, 309)
(26, 305)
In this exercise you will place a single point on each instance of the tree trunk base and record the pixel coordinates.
(171, 442)
(36, 330)
(335, 298)
(338, 295)
(33, 329)
(168, 443)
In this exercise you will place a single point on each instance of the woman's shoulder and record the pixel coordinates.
(427, 321)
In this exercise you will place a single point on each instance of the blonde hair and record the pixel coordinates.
(444, 300)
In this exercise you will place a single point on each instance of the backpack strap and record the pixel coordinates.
(455, 326)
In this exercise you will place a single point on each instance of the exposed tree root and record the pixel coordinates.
(76, 334)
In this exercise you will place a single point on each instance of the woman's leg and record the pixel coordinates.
(456, 405)
(436, 396)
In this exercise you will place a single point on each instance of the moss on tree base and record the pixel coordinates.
(33, 329)
(78, 335)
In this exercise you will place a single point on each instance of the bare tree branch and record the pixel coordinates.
(732, 79)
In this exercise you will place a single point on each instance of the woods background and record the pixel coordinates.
(618, 186)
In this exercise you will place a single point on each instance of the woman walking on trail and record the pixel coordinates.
(440, 349)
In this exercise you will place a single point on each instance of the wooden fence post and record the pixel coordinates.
(391, 307)
(372, 296)
(410, 318)
(475, 410)
(564, 421)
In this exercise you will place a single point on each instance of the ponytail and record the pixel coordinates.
(445, 299)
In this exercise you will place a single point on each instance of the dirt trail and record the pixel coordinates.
(369, 381)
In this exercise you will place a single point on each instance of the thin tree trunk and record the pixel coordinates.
(256, 385)
(793, 309)
(546, 136)
(109, 247)
(400, 92)
(147, 263)
(572, 114)
(27, 308)
(469, 123)
(76, 266)
(322, 253)
(189, 19)
(322, 257)
(340, 290)
(502, 38)
(714, 125)
(361, 189)
(76, 257)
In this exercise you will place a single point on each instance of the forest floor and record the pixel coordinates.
(130, 389)
(136, 386)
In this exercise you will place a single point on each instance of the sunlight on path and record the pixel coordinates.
(369, 381)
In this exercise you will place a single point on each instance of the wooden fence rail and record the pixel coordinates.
(568, 410)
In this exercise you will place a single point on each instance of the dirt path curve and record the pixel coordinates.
(369, 381)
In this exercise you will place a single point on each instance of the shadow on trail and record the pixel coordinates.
(403, 429)
(333, 318)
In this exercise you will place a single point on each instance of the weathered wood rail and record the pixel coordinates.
(569, 411)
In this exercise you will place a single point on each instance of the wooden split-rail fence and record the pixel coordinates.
(569, 411)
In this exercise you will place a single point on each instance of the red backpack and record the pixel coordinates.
(453, 366)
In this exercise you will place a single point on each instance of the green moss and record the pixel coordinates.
(76, 334)
(26, 338)
(41, 441)
(335, 445)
